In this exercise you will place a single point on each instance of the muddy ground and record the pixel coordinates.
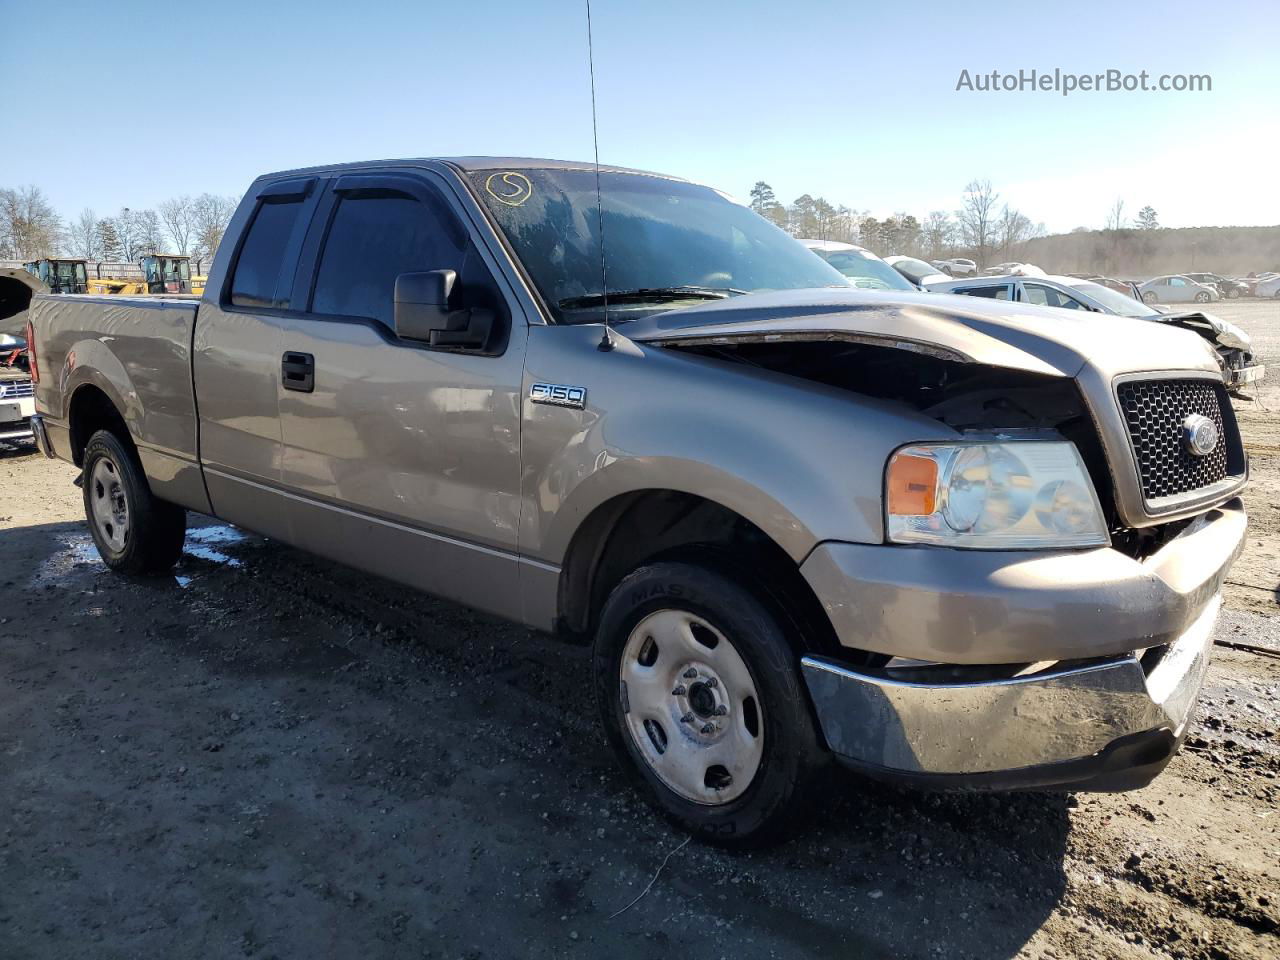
(269, 755)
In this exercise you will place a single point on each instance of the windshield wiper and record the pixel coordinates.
(649, 295)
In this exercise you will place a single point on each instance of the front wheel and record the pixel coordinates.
(1149, 297)
(1202, 297)
(1233, 293)
(701, 698)
(134, 532)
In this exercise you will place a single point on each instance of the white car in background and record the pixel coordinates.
(917, 271)
(1234, 347)
(957, 267)
(1177, 288)
(1268, 288)
(863, 268)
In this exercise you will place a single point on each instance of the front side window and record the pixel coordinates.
(262, 255)
(664, 241)
(1177, 282)
(375, 236)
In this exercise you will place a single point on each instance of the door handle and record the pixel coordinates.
(298, 372)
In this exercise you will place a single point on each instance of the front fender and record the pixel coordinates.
(801, 461)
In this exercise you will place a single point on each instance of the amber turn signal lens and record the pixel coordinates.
(913, 485)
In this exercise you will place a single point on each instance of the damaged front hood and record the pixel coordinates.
(1220, 331)
(966, 329)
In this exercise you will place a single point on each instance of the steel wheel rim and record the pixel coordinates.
(108, 504)
(691, 707)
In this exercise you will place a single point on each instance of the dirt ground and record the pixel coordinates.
(269, 755)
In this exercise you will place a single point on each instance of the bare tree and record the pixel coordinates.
(126, 230)
(939, 234)
(177, 215)
(150, 237)
(210, 216)
(29, 226)
(1013, 230)
(1115, 216)
(977, 217)
(83, 237)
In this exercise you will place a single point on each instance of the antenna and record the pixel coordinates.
(606, 339)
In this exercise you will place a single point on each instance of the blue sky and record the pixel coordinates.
(853, 101)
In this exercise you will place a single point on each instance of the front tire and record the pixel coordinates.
(702, 701)
(1149, 297)
(1202, 297)
(135, 533)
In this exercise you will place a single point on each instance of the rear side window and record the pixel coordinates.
(261, 257)
(376, 235)
(994, 292)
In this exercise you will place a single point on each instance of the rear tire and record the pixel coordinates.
(702, 701)
(135, 532)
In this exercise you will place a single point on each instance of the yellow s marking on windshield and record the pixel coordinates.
(510, 188)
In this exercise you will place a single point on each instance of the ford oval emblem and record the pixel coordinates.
(1199, 435)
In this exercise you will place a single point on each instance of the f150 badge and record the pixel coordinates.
(559, 395)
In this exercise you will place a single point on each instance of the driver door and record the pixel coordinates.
(401, 458)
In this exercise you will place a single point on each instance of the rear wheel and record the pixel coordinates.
(1149, 297)
(133, 531)
(702, 701)
(1233, 293)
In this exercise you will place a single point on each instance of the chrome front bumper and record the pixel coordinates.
(1051, 727)
(1239, 376)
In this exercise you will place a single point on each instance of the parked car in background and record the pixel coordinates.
(1268, 288)
(1234, 346)
(863, 268)
(1177, 288)
(919, 272)
(1127, 287)
(957, 267)
(1230, 289)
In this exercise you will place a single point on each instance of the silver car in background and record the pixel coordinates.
(1070, 293)
(1177, 288)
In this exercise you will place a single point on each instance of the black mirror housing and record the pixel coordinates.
(421, 303)
(422, 312)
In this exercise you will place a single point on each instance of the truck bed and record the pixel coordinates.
(136, 350)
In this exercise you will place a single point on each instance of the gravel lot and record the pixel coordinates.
(272, 756)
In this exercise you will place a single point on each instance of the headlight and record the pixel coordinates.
(993, 496)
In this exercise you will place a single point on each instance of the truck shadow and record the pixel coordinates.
(495, 739)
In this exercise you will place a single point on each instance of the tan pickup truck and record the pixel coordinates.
(945, 541)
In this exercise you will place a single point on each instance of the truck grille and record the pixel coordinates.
(1154, 411)
(16, 389)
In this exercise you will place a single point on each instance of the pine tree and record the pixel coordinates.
(108, 240)
(1147, 219)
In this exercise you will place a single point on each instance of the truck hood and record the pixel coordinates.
(965, 329)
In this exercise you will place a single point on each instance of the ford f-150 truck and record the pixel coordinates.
(949, 542)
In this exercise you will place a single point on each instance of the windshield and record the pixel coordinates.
(866, 270)
(1115, 301)
(659, 234)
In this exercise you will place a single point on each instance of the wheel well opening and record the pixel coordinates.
(91, 411)
(652, 525)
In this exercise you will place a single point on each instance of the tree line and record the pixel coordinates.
(31, 229)
(984, 227)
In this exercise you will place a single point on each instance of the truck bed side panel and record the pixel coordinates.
(136, 350)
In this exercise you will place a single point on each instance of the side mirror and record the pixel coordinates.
(421, 312)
